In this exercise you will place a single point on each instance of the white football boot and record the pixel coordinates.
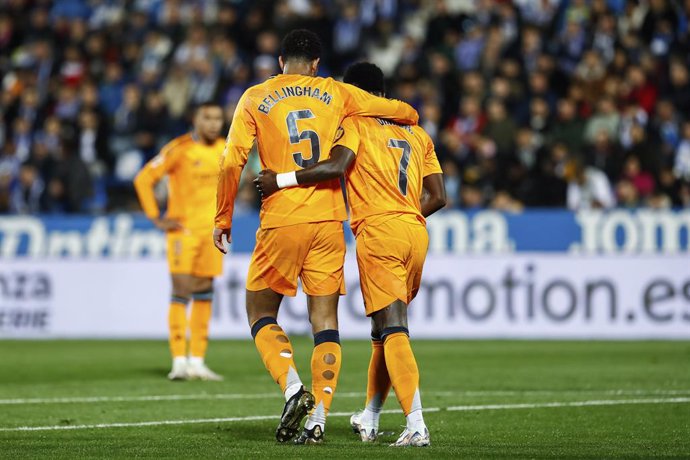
(412, 439)
(199, 371)
(179, 369)
(367, 433)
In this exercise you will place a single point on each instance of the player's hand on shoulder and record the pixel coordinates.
(218, 238)
(266, 183)
(167, 225)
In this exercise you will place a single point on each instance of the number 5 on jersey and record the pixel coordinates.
(296, 137)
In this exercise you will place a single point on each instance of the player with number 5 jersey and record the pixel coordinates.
(293, 117)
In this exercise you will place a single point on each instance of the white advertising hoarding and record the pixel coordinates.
(512, 296)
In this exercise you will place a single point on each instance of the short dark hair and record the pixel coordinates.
(366, 76)
(301, 44)
(204, 104)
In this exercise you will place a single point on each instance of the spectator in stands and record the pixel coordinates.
(626, 195)
(605, 120)
(588, 187)
(568, 128)
(605, 154)
(681, 165)
(641, 180)
(71, 185)
(27, 192)
(666, 128)
(500, 128)
(644, 149)
(93, 143)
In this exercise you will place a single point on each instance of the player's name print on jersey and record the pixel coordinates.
(383, 122)
(293, 91)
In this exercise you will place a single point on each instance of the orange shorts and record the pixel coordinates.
(312, 252)
(193, 253)
(390, 256)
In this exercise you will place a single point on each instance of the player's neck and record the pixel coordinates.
(201, 139)
(298, 68)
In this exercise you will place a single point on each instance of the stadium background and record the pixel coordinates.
(561, 126)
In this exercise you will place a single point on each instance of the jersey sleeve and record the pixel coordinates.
(431, 164)
(360, 102)
(348, 135)
(239, 142)
(151, 173)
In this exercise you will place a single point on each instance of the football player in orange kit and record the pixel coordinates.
(191, 164)
(393, 181)
(294, 117)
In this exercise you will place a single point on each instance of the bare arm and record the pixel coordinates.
(434, 194)
(340, 160)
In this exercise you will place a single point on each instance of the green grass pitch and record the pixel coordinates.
(512, 399)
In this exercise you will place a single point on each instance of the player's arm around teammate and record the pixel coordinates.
(190, 162)
(341, 158)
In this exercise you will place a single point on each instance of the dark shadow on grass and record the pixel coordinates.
(161, 372)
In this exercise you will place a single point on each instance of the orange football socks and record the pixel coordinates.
(378, 380)
(277, 354)
(404, 374)
(198, 323)
(177, 323)
(325, 369)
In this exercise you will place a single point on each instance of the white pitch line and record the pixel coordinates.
(601, 402)
(180, 422)
(611, 402)
(235, 396)
(190, 397)
(99, 399)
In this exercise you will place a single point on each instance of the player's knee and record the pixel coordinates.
(375, 330)
(181, 286)
(202, 289)
(261, 304)
(393, 316)
(206, 295)
(179, 299)
(201, 284)
(323, 320)
(181, 293)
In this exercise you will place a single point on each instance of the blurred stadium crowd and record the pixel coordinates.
(550, 103)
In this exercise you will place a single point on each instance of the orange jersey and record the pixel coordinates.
(391, 163)
(192, 168)
(294, 119)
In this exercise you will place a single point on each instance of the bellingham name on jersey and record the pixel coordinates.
(291, 91)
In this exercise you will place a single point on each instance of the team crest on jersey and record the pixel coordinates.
(339, 134)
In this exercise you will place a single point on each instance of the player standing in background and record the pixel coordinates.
(294, 117)
(395, 182)
(191, 164)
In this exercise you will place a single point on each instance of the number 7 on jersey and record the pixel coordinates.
(404, 162)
